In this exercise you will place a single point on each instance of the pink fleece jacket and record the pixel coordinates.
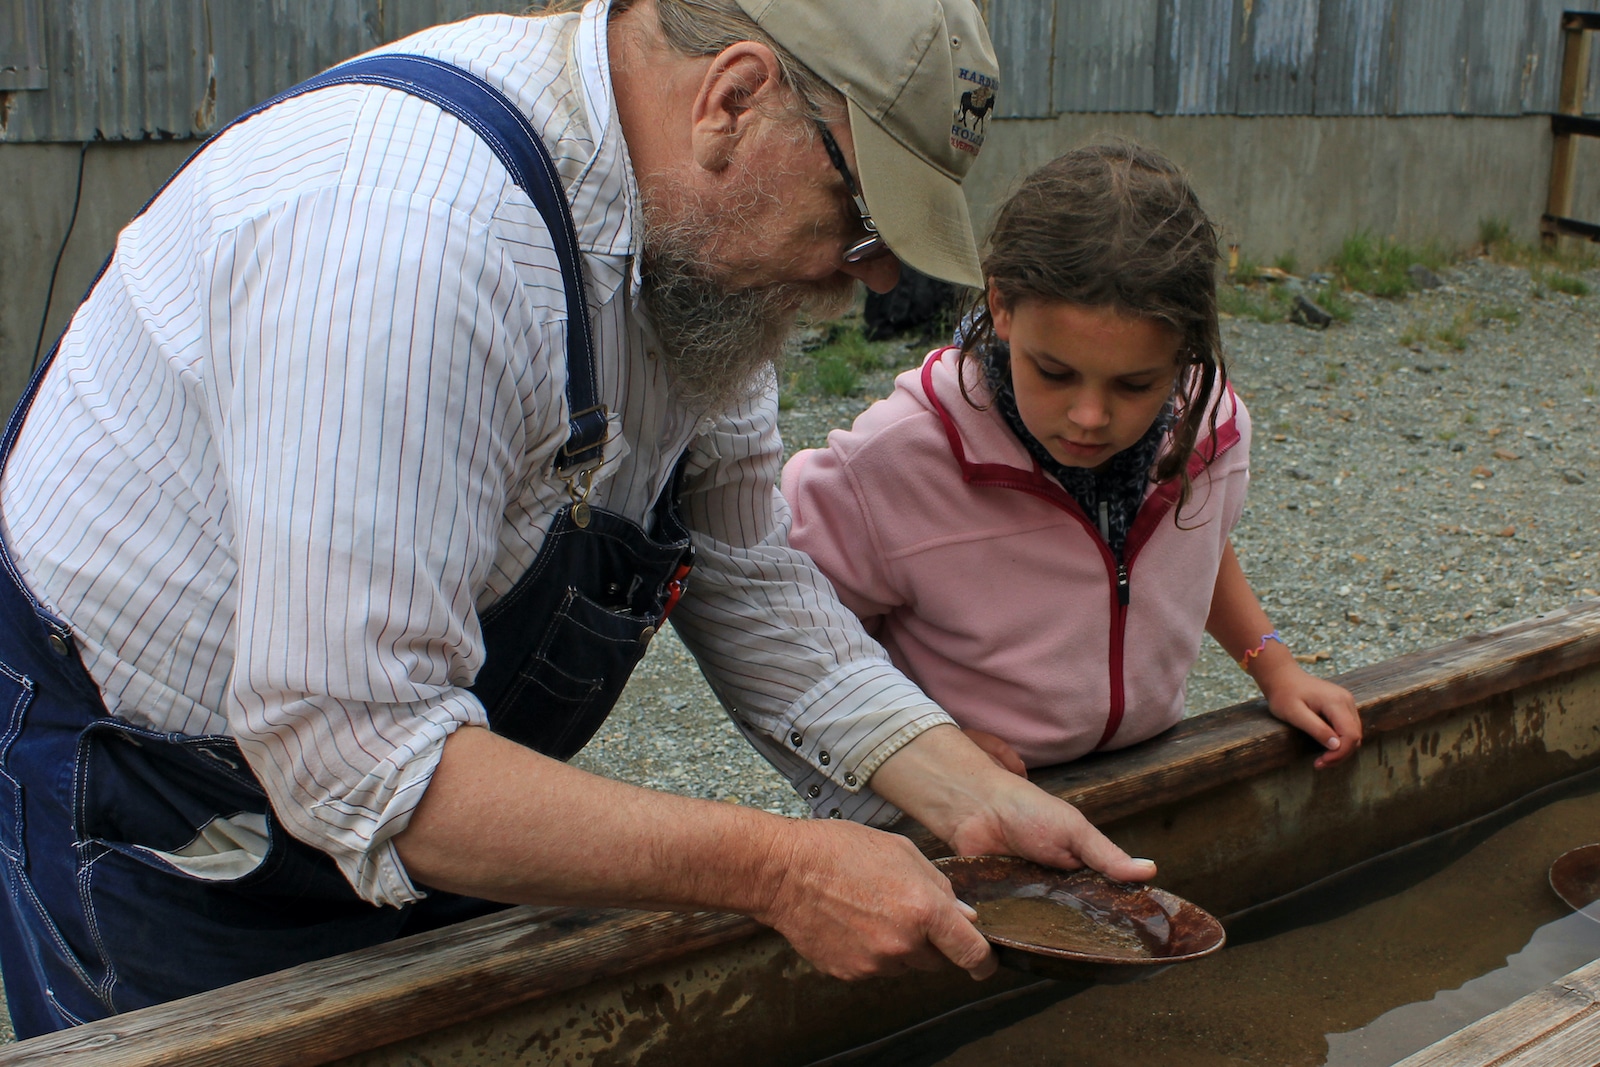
(989, 586)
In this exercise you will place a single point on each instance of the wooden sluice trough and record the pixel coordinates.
(1227, 803)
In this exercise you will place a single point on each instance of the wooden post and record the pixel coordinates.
(1564, 152)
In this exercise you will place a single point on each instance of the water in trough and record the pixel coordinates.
(1362, 972)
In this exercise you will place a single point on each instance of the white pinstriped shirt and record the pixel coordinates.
(303, 431)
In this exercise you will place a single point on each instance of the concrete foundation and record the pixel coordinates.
(1278, 186)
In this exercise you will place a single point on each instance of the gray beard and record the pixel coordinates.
(721, 346)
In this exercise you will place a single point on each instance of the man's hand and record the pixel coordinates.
(502, 822)
(954, 789)
(859, 903)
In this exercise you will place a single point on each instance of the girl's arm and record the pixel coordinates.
(1322, 709)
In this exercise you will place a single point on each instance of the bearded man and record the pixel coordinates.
(334, 529)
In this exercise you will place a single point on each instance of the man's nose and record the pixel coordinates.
(879, 273)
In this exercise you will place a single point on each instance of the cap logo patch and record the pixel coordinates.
(966, 129)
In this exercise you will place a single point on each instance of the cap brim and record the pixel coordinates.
(919, 209)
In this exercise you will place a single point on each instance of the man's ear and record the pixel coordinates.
(725, 109)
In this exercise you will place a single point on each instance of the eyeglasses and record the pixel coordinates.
(871, 246)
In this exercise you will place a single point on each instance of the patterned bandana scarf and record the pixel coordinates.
(1120, 484)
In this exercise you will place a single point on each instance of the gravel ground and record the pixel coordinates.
(1405, 492)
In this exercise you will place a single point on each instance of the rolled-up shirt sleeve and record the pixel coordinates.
(794, 667)
(366, 408)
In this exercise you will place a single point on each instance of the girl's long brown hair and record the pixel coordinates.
(1117, 226)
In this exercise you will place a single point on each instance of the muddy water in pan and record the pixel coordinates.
(1350, 987)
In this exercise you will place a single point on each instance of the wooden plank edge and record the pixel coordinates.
(362, 1000)
(1406, 692)
(422, 983)
(1520, 1027)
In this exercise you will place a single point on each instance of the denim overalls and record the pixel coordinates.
(98, 920)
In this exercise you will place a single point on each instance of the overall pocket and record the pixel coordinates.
(565, 686)
(191, 807)
(188, 880)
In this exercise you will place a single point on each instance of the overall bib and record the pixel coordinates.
(106, 908)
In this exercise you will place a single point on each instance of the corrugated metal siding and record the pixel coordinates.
(1429, 55)
(1495, 51)
(1274, 70)
(1194, 49)
(1544, 46)
(1541, 60)
(1292, 57)
(1023, 32)
(1106, 55)
(1354, 57)
(22, 63)
(181, 68)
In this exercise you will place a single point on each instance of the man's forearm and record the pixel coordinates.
(502, 822)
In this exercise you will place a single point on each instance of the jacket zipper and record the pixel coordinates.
(1120, 575)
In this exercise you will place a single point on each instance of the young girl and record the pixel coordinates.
(1036, 524)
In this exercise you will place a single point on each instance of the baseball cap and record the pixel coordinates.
(919, 78)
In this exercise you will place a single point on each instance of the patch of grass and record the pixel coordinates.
(788, 386)
(835, 376)
(1502, 312)
(838, 361)
(1494, 233)
(1570, 255)
(1566, 283)
(1285, 263)
(1446, 435)
(843, 343)
(1246, 271)
(1243, 302)
(1413, 333)
(1379, 266)
(1453, 335)
(1330, 298)
(1331, 374)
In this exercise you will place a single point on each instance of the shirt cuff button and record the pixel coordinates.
(814, 791)
(824, 759)
(795, 738)
(850, 780)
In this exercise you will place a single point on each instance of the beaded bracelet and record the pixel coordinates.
(1244, 660)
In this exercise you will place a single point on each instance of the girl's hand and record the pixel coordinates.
(1319, 707)
(1004, 756)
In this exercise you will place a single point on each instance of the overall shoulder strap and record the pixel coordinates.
(495, 119)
